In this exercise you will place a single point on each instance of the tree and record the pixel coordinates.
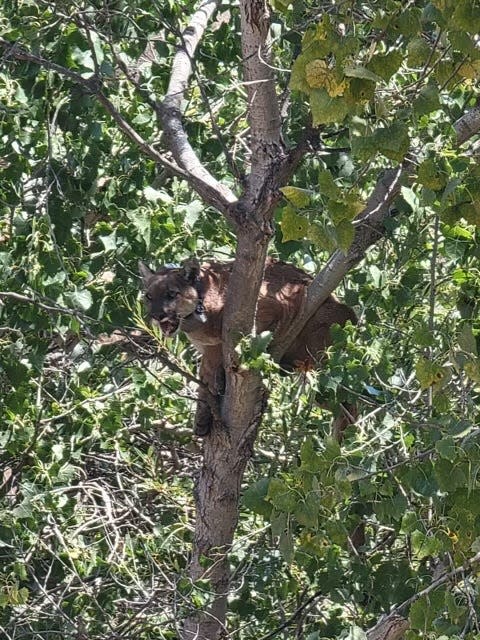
(378, 103)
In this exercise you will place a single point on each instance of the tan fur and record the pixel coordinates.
(172, 296)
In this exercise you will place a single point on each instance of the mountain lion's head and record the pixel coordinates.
(172, 294)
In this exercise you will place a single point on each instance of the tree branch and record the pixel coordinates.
(448, 576)
(215, 193)
(263, 111)
(93, 86)
(468, 125)
(369, 229)
(393, 626)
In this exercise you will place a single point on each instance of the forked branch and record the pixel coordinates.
(369, 229)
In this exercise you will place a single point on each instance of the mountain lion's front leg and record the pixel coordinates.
(212, 375)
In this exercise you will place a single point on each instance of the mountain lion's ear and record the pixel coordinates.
(191, 269)
(145, 272)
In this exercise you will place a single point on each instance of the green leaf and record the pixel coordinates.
(110, 241)
(310, 459)
(385, 65)
(298, 80)
(393, 141)
(455, 611)
(281, 5)
(81, 298)
(410, 522)
(255, 497)
(278, 523)
(467, 16)
(363, 73)
(466, 339)
(193, 211)
(472, 369)
(300, 198)
(306, 511)
(430, 174)
(424, 611)
(446, 448)
(363, 147)
(293, 225)
(360, 91)
(418, 52)
(428, 100)
(323, 236)
(345, 234)
(157, 195)
(282, 498)
(449, 476)
(344, 210)
(424, 546)
(327, 186)
(428, 373)
(286, 546)
(141, 221)
(408, 22)
(326, 109)
(23, 510)
(410, 197)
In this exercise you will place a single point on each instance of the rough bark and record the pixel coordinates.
(263, 110)
(230, 445)
(468, 125)
(217, 494)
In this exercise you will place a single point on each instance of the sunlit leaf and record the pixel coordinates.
(293, 225)
(300, 198)
(428, 372)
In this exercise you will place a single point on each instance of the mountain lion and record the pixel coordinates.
(191, 298)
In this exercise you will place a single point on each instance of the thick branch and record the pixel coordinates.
(263, 111)
(468, 125)
(369, 229)
(219, 196)
(393, 627)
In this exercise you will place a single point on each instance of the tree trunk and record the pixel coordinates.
(229, 446)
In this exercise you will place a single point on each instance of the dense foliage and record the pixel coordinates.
(96, 448)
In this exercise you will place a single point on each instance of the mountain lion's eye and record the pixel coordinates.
(148, 296)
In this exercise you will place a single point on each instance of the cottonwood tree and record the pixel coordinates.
(385, 91)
